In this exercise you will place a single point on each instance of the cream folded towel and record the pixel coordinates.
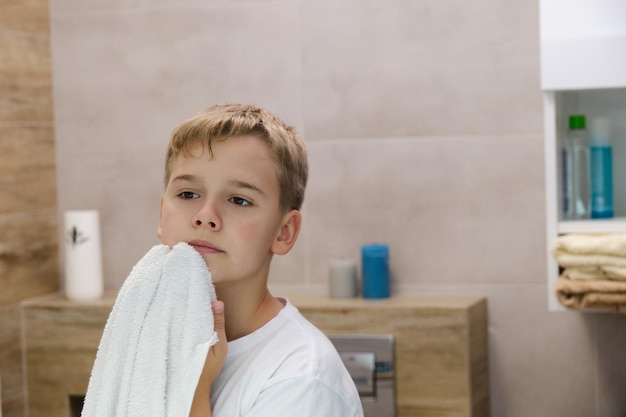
(156, 339)
(590, 249)
(615, 273)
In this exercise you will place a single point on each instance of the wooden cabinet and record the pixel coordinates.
(441, 348)
(61, 338)
(441, 357)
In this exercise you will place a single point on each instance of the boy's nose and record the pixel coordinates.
(207, 217)
(211, 223)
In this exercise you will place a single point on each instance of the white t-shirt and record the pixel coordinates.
(287, 368)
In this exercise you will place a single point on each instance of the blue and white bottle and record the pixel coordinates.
(601, 169)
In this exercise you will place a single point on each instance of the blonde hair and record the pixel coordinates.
(220, 122)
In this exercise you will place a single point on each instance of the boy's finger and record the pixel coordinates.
(218, 320)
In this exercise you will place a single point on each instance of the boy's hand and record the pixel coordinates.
(201, 405)
(217, 352)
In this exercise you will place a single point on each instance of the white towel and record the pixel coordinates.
(156, 339)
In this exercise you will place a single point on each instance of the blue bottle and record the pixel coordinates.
(601, 169)
(375, 271)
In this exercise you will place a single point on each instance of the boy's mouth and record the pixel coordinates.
(203, 247)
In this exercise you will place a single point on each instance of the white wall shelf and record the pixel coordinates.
(583, 71)
(592, 226)
(558, 105)
(582, 44)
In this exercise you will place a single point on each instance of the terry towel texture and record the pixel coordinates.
(592, 256)
(603, 295)
(594, 271)
(156, 338)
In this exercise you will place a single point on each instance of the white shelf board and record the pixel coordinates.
(582, 44)
(583, 63)
(615, 225)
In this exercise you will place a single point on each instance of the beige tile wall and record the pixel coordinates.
(423, 121)
(28, 215)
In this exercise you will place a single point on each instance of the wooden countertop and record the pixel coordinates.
(401, 301)
(58, 300)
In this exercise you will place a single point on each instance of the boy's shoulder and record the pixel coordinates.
(292, 359)
(304, 338)
(291, 334)
(288, 346)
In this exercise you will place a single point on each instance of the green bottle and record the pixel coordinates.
(576, 194)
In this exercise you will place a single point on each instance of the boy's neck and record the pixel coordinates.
(247, 310)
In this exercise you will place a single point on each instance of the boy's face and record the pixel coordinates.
(227, 208)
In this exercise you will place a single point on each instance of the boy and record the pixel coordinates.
(234, 184)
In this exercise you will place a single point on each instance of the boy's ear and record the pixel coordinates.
(288, 233)
(159, 232)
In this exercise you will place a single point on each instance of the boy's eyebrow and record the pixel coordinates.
(185, 177)
(232, 183)
(247, 185)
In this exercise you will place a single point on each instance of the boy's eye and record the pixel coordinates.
(240, 201)
(188, 195)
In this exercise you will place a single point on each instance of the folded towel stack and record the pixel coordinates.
(156, 339)
(596, 294)
(594, 271)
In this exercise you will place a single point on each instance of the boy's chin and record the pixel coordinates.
(170, 243)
